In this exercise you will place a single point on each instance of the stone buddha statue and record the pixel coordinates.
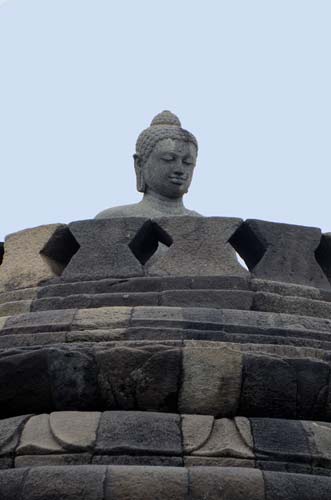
(164, 163)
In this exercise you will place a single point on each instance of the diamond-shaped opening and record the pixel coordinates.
(147, 241)
(60, 249)
(2, 251)
(323, 255)
(247, 245)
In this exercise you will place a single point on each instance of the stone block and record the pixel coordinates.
(35, 322)
(11, 484)
(217, 483)
(215, 389)
(102, 317)
(196, 430)
(32, 339)
(199, 247)
(104, 249)
(18, 295)
(197, 461)
(143, 316)
(18, 307)
(280, 439)
(145, 433)
(75, 430)
(146, 483)
(10, 432)
(285, 289)
(43, 460)
(281, 252)
(272, 302)
(83, 482)
(3, 320)
(219, 299)
(312, 387)
(319, 441)
(137, 379)
(281, 486)
(217, 438)
(269, 387)
(37, 438)
(73, 379)
(24, 384)
(142, 460)
(24, 264)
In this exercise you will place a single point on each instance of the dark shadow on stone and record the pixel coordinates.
(60, 249)
(323, 255)
(247, 245)
(2, 251)
(147, 240)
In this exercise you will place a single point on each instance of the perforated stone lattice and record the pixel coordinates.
(147, 241)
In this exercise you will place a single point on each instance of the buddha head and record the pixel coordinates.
(165, 157)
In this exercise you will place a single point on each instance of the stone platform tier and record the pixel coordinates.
(140, 359)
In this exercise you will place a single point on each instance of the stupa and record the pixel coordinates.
(140, 360)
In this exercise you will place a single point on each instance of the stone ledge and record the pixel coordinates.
(165, 377)
(166, 483)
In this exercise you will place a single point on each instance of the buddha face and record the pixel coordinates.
(169, 168)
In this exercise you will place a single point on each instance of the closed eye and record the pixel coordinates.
(168, 158)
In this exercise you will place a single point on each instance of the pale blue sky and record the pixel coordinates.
(80, 79)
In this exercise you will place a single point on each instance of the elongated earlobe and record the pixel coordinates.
(141, 186)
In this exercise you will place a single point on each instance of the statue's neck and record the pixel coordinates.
(163, 204)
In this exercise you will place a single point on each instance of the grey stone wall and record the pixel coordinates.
(139, 359)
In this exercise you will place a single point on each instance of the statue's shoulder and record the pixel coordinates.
(122, 211)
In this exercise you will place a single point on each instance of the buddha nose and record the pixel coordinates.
(179, 168)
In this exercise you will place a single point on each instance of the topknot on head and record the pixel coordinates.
(166, 118)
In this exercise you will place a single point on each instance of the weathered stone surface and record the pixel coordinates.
(32, 339)
(10, 432)
(273, 302)
(225, 299)
(197, 461)
(157, 315)
(312, 387)
(319, 441)
(137, 379)
(102, 317)
(196, 430)
(65, 483)
(222, 437)
(285, 289)
(279, 439)
(146, 483)
(24, 384)
(73, 379)
(145, 433)
(281, 252)
(42, 460)
(46, 321)
(24, 265)
(17, 307)
(217, 483)
(104, 249)
(17, 295)
(280, 486)
(37, 438)
(200, 247)
(3, 320)
(215, 390)
(142, 460)
(269, 387)
(75, 430)
(11, 484)
(97, 301)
